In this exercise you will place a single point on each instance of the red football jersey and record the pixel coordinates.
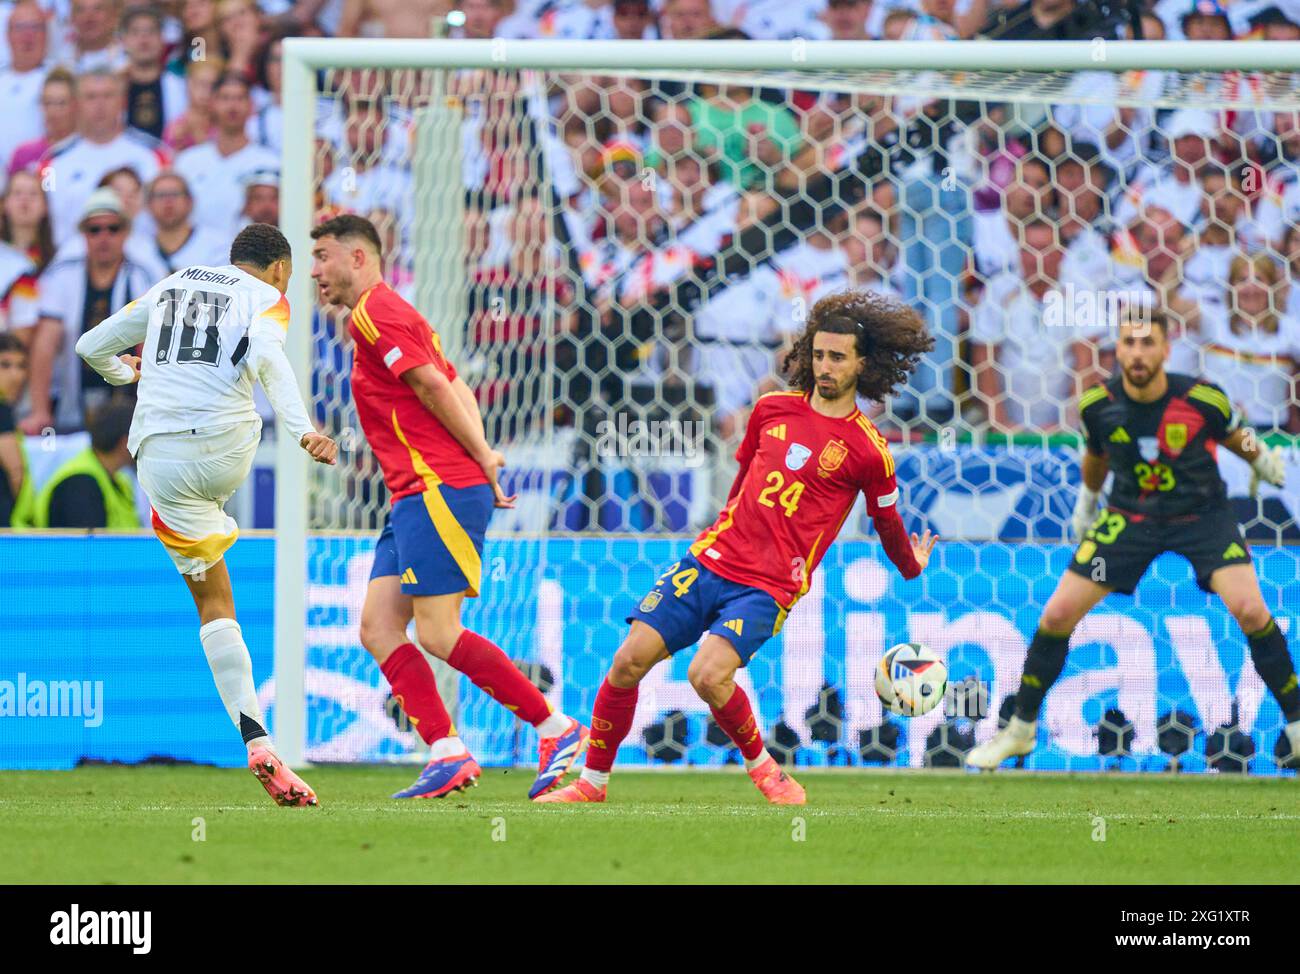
(801, 473)
(414, 449)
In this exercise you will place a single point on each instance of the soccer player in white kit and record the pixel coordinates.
(208, 334)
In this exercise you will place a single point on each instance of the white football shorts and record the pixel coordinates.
(188, 477)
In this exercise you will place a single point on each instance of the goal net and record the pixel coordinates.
(616, 260)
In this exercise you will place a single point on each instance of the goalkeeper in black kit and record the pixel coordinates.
(1158, 432)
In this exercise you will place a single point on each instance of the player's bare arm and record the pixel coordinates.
(438, 396)
(467, 399)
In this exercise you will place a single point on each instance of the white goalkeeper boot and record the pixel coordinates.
(1292, 731)
(1014, 740)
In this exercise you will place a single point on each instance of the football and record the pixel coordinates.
(911, 679)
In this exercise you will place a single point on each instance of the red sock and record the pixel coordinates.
(737, 719)
(408, 673)
(492, 672)
(611, 719)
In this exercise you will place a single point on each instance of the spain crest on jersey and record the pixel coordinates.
(832, 456)
(651, 600)
(797, 456)
(1175, 437)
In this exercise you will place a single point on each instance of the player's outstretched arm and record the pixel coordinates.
(439, 396)
(123, 329)
(271, 366)
(910, 556)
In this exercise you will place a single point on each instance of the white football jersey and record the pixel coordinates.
(208, 334)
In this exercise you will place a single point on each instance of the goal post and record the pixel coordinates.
(589, 435)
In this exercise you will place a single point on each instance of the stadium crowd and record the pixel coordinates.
(677, 230)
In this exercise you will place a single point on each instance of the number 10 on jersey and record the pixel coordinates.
(194, 311)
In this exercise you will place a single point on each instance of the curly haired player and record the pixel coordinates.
(805, 457)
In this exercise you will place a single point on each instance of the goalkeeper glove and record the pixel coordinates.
(1268, 466)
(1085, 511)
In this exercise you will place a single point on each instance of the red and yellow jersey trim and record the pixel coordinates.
(807, 567)
(279, 312)
(729, 513)
(366, 326)
(878, 441)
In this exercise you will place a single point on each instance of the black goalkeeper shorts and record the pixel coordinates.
(1119, 547)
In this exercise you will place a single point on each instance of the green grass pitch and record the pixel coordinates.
(138, 825)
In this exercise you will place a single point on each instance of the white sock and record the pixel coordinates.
(553, 726)
(447, 747)
(751, 764)
(232, 671)
(1293, 730)
(598, 778)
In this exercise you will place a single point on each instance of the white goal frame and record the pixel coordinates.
(304, 56)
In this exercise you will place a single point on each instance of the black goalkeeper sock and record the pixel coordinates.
(1273, 663)
(1043, 665)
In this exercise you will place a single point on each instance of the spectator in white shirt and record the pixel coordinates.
(1030, 354)
(773, 19)
(703, 211)
(363, 181)
(1173, 187)
(73, 168)
(177, 241)
(1081, 180)
(215, 170)
(22, 81)
(94, 44)
(1252, 347)
(997, 232)
(1205, 269)
(59, 112)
